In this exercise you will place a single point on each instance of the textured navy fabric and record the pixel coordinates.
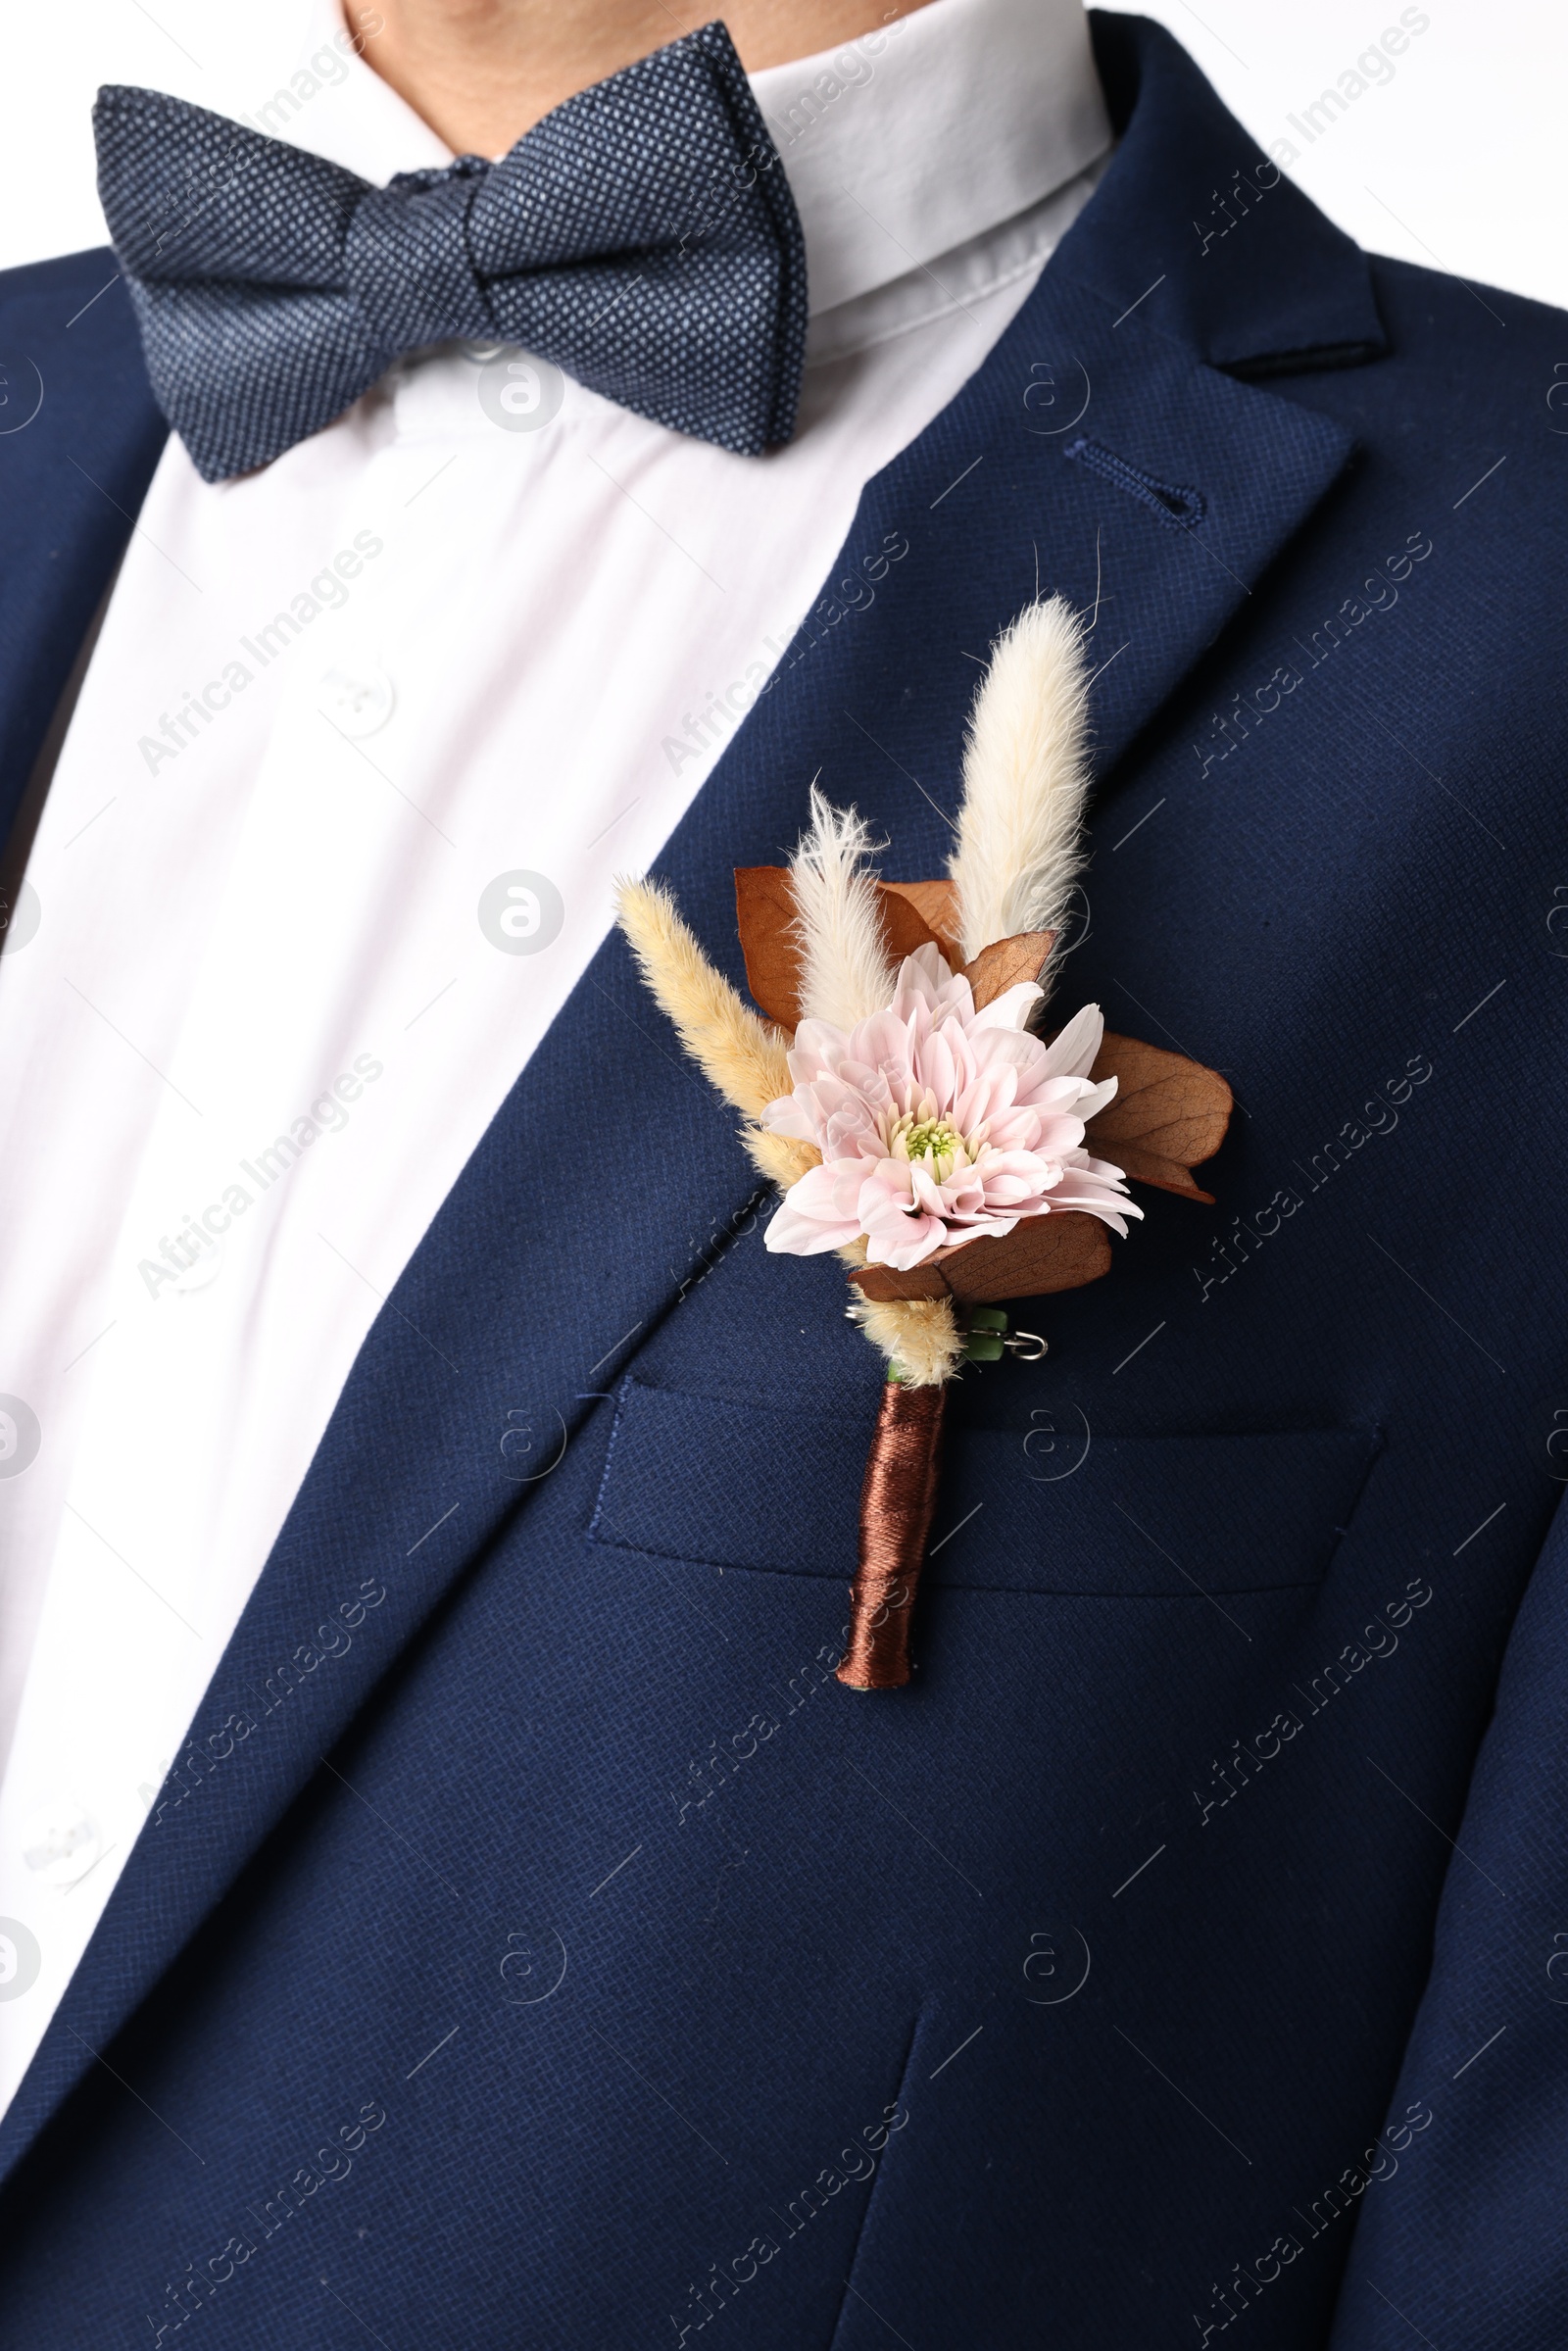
(643, 236)
(533, 1944)
(79, 436)
(1241, 1513)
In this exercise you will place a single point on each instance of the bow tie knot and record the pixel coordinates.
(407, 258)
(642, 236)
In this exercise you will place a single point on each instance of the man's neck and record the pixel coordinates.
(482, 72)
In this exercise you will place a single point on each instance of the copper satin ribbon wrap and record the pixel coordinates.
(897, 1503)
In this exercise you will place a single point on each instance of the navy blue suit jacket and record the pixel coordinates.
(534, 1944)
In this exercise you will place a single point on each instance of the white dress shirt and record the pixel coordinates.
(365, 740)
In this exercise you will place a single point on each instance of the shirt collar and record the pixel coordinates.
(898, 146)
(913, 140)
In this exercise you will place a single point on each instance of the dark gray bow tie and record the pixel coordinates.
(642, 236)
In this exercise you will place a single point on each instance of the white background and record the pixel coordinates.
(1457, 161)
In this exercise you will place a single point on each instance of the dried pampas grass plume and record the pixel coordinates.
(845, 972)
(1026, 777)
(741, 1055)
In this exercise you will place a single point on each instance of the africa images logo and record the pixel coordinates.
(179, 1253)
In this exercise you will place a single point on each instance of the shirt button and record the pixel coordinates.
(357, 702)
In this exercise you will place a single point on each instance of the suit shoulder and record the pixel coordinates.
(1468, 368)
(1435, 316)
(62, 280)
(67, 328)
(72, 318)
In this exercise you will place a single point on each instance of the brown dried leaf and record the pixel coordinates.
(1170, 1115)
(1041, 1253)
(903, 926)
(885, 1286)
(1001, 966)
(764, 914)
(937, 905)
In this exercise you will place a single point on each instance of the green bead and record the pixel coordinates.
(988, 1318)
(983, 1347)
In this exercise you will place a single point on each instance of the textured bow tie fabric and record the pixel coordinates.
(642, 236)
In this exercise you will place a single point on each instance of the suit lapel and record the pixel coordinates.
(1172, 485)
(1102, 458)
(79, 436)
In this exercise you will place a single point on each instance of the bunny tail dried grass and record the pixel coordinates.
(845, 972)
(1026, 777)
(920, 1335)
(737, 1052)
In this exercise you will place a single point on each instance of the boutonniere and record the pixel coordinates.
(898, 1085)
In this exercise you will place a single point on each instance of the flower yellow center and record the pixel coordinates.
(934, 1142)
(932, 1138)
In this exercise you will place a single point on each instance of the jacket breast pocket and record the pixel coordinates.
(1049, 1510)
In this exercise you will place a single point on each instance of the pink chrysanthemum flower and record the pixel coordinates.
(938, 1123)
